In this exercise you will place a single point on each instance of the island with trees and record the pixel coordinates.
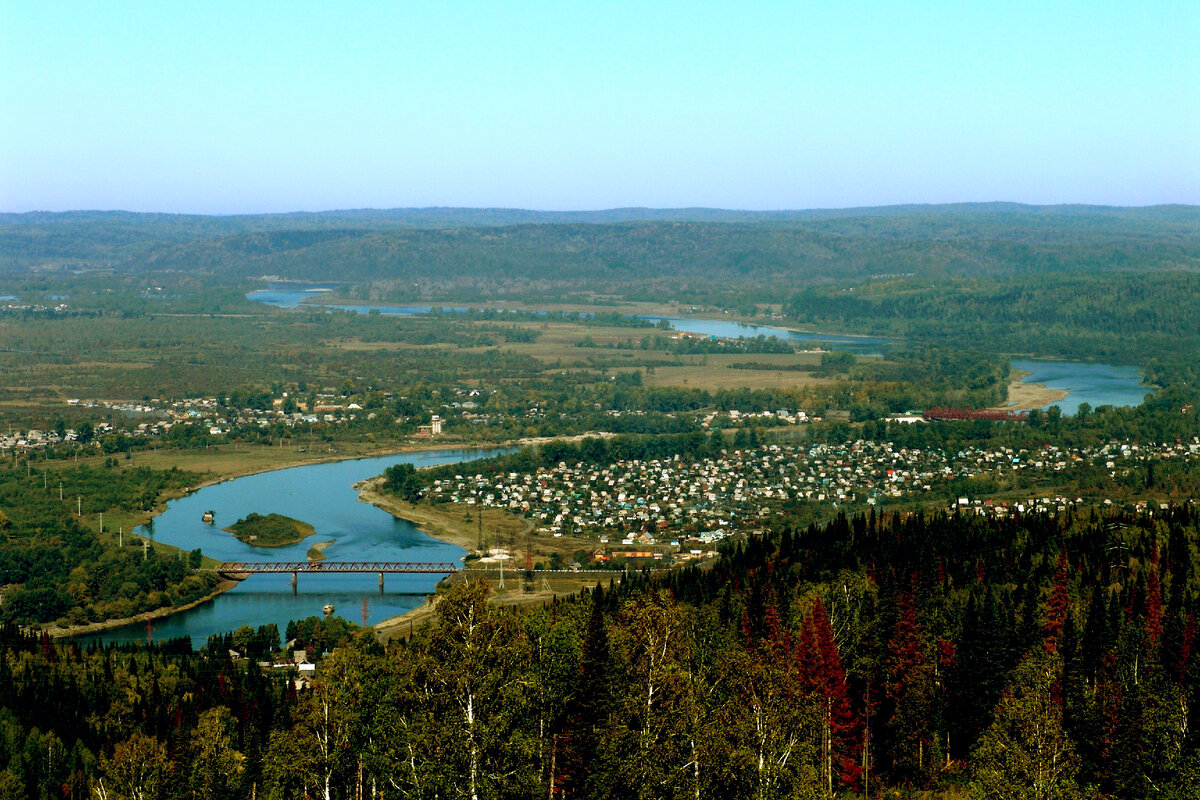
(270, 530)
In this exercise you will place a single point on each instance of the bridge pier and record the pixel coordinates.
(295, 582)
(381, 583)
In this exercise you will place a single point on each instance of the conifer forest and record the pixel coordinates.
(898, 655)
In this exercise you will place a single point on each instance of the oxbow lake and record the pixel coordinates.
(323, 496)
(1084, 381)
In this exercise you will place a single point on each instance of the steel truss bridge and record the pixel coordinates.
(255, 567)
(240, 570)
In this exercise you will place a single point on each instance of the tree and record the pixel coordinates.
(138, 769)
(771, 720)
(402, 481)
(1058, 605)
(1025, 754)
(1154, 599)
(286, 768)
(823, 673)
(244, 640)
(334, 716)
(587, 712)
(658, 651)
(216, 766)
(478, 661)
(910, 689)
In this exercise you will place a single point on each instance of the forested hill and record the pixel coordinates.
(617, 246)
(945, 657)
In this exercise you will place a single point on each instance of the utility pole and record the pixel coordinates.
(101, 522)
(121, 537)
(60, 490)
(79, 506)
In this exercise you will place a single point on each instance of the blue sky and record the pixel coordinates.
(231, 107)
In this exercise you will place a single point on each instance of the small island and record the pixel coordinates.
(272, 530)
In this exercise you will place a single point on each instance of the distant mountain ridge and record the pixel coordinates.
(494, 246)
(487, 217)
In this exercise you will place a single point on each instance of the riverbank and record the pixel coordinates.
(1024, 396)
(230, 466)
(146, 616)
(503, 534)
(226, 462)
(466, 529)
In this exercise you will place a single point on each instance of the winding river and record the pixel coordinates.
(323, 496)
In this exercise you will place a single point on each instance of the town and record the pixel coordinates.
(665, 503)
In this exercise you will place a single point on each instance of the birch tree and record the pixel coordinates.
(138, 769)
(217, 766)
(480, 671)
(1024, 754)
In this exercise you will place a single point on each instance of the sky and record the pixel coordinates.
(245, 107)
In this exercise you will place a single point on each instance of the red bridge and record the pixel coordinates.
(234, 569)
(240, 570)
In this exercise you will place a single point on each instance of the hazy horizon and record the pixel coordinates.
(231, 109)
(613, 209)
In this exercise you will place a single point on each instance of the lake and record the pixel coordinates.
(1087, 382)
(323, 496)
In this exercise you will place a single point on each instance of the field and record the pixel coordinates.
(560, 345)
(234, 459)
(715, 372)
(140, 358)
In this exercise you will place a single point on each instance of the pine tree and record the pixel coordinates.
(1154, 600)
(587, 714)
(1058, 606)
(911, 692)
(823, 674)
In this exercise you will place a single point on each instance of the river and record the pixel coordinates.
(323, 496)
